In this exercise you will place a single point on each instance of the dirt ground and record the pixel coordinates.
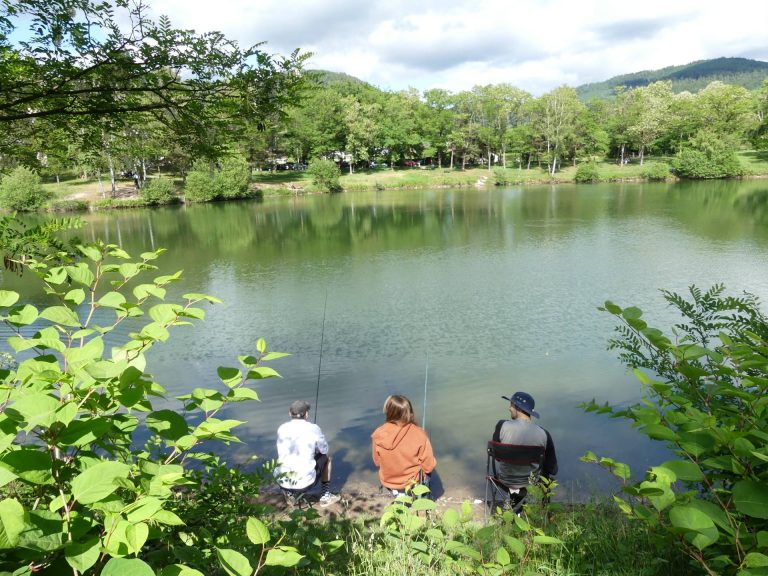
(364, 500)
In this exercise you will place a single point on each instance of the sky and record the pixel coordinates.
(536, 45)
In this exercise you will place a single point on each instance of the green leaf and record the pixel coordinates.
(423, 504)
(112, 300)
(75, 296)
(186, 442)
(755, 560)
(229, 376)
(198, 297)
(546, 540)
(142, 509)
(37, 409)
(502, 557)
(29, 464)
(127, 567)
(631, 313)
(517, 547)
(285, 556)
(11, 523)
(612, 308)
(56, 275)
(6, 476)
(693, 520)
(168, 424)
(81, 273)
(164, 313)
(61, 315)
(256, 530)
(98, 481)
(751, 498)
(262, 372)
(179, 570)
(82, 555)
(8, 298)
(128, 270)
(136, 535)
(23, 315)
(168, 518)
(685, 470)
(234, 563)
(91, 252)
(273, 356)
(450, 518)
(658, 432)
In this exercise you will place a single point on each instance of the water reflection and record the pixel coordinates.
(497, 288)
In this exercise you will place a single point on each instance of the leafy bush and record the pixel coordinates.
(199, 186)
(325, 175)
(709, 156)
(21, 190)
(705, 397)
(655, 171)
(158, 191)
(232, 180)
(80, 494)
(587, 172)
(227, 182)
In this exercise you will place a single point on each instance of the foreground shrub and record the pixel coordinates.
(705, 397)
(22, 191)
(81, 496)
(586, 172)
(655, 171)
(325, 175)
(158, 191)
(199, 185)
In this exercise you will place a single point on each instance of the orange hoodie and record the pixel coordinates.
(400, 451)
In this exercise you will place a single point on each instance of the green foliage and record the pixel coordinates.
(709, 156)
(655, 171)
(79, 495)
(587, 172)
(325, 175)
(705, 397)
(21, 190)
(158, 191)
(20, 243)
(68, 206)
(206, 183)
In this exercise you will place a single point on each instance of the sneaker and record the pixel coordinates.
(327, 499)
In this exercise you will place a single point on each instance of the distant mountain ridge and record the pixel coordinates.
(689, 77)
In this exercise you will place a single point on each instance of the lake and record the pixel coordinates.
(452, 297)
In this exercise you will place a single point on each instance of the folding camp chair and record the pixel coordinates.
(496, 490)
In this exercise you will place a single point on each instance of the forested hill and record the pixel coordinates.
(328, 78)
(691, 77)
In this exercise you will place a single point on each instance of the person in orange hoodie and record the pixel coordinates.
(401, 450)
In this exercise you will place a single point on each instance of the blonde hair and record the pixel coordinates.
(399, 410)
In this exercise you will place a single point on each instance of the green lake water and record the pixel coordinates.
(477, 293)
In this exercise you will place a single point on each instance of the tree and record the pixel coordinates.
(555, 119)
(76, 62)
(650, 114)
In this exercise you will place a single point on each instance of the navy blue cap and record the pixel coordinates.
(523, 402)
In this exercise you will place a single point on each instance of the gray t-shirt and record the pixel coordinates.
(523, 433)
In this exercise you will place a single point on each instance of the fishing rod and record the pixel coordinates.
(320, 361)
(426, 379)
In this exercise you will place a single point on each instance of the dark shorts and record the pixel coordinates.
(321, 461)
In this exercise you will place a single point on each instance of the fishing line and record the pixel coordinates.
(320, 361)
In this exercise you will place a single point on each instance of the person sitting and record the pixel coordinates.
(401, 449)
(521, 430)
(302, 452)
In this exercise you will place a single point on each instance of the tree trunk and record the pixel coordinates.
(112, 176)
(451, 158)
(489, 159)
(622, 154)
(642, 154)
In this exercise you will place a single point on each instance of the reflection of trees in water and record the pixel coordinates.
(754, 202)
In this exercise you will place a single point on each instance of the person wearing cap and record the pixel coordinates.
(302, 453)
(400, 448)
(521, 430)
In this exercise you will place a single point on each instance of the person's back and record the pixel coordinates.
(298, 441)
(520, 433)
(400, 449)
(520, 430)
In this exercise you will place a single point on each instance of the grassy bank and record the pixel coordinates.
(78, 194)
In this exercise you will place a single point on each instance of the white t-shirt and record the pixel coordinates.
(298, 440)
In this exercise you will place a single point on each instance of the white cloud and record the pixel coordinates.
(455, 44)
